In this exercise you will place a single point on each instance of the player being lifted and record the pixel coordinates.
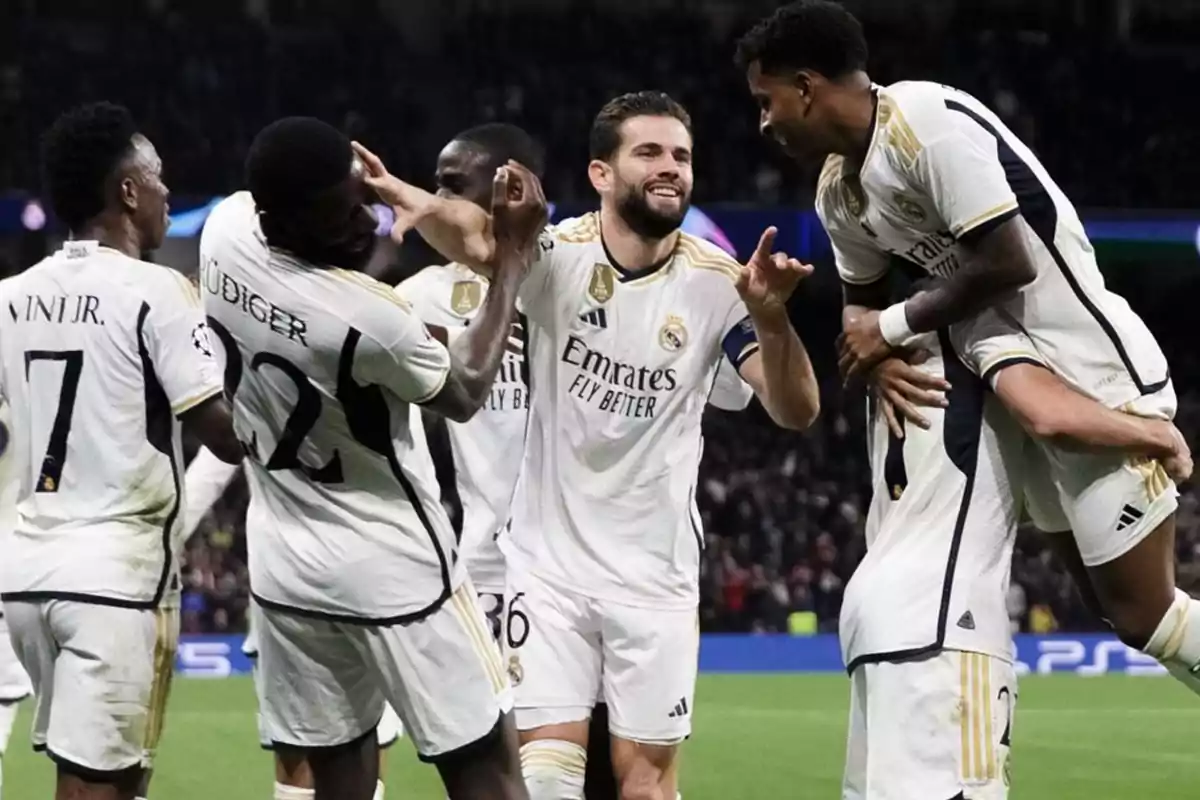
(924, 626)
(102, 358)
(360, 597)
(927, 173)
(628, 321)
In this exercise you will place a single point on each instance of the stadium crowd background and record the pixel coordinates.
(784, 512)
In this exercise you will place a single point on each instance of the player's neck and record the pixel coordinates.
(857, 119)
(118, 234)
(632, 251)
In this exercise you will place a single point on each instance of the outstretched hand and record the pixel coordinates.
(519, 213)
(768, 279)
(409, 203)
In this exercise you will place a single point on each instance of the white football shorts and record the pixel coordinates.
(322, 683)
(14, 681)
(102, 676)
(1110, 502)
(565, 652)
(937, 728)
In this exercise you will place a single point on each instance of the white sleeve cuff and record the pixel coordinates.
(893, 325)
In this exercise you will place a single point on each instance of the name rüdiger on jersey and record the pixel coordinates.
(279, 320)
(596, 370)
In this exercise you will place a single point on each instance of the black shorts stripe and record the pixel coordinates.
(1039, 211)
(1009, 362)
(349, 619)
(962, 431)
(81, 597)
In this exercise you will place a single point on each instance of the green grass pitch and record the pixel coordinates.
(755, 736)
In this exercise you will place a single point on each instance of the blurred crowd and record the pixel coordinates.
(1108, 118)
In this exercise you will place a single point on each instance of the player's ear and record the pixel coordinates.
(127, 192)
(600, 173)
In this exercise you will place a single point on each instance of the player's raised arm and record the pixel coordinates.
(780, 372)
(476, 354)
(459, 230)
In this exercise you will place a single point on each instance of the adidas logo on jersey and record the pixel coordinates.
(967, 621)
(680, 710)
(1129, 516)
(597, 318)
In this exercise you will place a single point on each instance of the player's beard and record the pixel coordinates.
(635, 211)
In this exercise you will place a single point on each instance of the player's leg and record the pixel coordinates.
(854, 773)
(319, 703)
(166, 643)
(937, 727)
(600, 781)
(552, 647)
(650, 664)
(14, 687)
(444, 677)
(94, 665)
(389, 732)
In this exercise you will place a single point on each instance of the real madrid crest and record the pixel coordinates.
(465, 297)
(672, 335)
(909, 209)
(601, 286)
(516, 673)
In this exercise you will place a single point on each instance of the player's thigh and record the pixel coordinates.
(105, 685)
(314, 686)
(443, 675)
(650, 663)
(937, 727)
(854, 775)
(552, 651)
(14, 681)
(36, 650)
(1113, 503)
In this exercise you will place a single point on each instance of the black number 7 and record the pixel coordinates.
(56, 450)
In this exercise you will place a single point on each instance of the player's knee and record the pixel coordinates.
(553, 769)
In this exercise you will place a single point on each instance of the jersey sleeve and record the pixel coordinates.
(178, 345)
(990, 342)
(414, 291)
(963, 176)
(205, 481)
(729, 391)
(858, 262)
(403, 356)
(535, 298)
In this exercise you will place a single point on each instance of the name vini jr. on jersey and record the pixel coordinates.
(614, 386)
(68, 309)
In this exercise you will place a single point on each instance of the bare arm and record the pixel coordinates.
(1050, 409)
(781, 374)
(998, 266)
(212, 423)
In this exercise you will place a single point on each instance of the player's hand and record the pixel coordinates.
(409, 203)
(1176, 457)
(519, 214)
(768, 279)
(862, 346)
(902, 389)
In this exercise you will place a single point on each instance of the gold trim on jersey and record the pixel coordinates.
(187, 404)
(695, 255)
(373, 286)
(581, 230)
(1154, 477)
(890, 122)
(979, 757)
(166, 643)
(983, 218)
(481, 640)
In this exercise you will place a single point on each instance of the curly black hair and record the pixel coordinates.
(293, 159)
(809, 34)
(500, 141)
(79, 153)
(605, 137)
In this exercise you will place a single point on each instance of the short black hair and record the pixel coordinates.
(501, 141)
(808, 34)
(80, 151)
(605, 137)
(293, 159)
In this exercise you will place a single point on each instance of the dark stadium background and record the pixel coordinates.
(1103, 90)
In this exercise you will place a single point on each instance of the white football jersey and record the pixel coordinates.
(487, 450)
(620, 367)
(941, 527)
(99, 356)
(322, 366)
(9, 484)
(941, 166)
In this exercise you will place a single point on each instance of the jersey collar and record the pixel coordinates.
(625, 275)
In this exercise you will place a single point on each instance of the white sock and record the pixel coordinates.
(553, 769)
(378, 790)
(1176, 641)
(285, 792)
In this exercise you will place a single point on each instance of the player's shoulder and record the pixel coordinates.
(371, 306)
(581, 230)
(914, 114)
(440, 285)
(232, 220)
(704, 258)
